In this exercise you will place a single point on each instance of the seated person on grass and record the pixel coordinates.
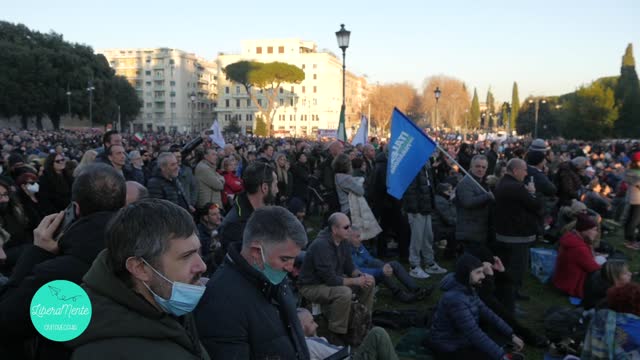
(376, 345)
(613, 273)
(385, 272)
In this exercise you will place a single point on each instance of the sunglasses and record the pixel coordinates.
(60, 161)
(346, 227)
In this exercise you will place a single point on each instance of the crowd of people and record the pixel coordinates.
(191, 250)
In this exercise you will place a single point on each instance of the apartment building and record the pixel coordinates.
(302, 109)
(178, 89)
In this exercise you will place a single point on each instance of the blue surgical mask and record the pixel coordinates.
(184, 297)
(274, 276)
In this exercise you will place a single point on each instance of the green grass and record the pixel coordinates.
(542, 296)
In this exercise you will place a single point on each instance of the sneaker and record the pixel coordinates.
(435, 269)
(418, 273)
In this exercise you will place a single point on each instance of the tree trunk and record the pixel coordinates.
(39, 122)
(55, 120)
(24, 121)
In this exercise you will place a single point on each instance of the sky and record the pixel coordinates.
(548, 47)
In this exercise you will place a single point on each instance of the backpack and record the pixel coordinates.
(359, 324)
(565, 325)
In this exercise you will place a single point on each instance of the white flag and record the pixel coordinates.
(363, 132)
(216, 137)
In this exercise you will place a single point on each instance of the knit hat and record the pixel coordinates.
(585, 222)
(535, 157)
(296, 205)
(444, 187)
(538, 145)
(577, 207)
(465, 265)
(481, 252)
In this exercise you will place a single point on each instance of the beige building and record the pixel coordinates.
(178, 89)
(302, 109)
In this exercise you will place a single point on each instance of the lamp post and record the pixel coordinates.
(343, 42)
(193, 109)
(537, 108)
(437, 94)
(90, 89)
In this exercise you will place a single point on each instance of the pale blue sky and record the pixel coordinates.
(548, 47)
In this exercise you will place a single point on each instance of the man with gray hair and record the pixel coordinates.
(164, 183)
(517, 209)
(147, 281)
(473, 200)
(135, 192)
(248, 310)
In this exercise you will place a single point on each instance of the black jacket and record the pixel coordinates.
(242, 316)
(79, 246)
(55, 191)
(300, 187)
(161, 188)
(232, 226)
(325, 263)
(418, 199)
(516, 210)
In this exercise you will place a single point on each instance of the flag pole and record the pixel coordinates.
(446, 153)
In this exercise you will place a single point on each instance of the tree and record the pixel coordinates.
(627, 97)
(453, 103)
(474, 113)
(261, 127)
(589, 113)
(267, 78)
(515, 105)
(491, 102)
(383, 98)
(233, 127)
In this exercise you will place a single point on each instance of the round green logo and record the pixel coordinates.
(60, 310)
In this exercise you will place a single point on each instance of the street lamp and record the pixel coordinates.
(193, 109)
(437, 94)
(343, 42)
(90, 89)
(537, 102)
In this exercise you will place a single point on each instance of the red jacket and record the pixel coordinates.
(574, 263)
(232, 185)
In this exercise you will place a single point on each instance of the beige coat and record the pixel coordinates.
(210, 184)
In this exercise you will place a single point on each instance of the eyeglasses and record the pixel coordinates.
(346, 227)
(60, 161)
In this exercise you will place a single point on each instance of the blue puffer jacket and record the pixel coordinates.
(456, 321)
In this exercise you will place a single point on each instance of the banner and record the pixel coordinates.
(409, 149)
(342, 131)
(363, 132)
(217, 137)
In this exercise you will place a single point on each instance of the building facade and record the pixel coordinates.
(178, 89)
(301, 109)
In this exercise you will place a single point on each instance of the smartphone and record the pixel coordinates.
(208, 132)
(69, 219)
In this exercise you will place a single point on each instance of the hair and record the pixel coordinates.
(109, 150)
(624, 298)
(273, 225)
(48, 162)
(226, 161)
(501, 164)
(88, 158)
(143, 193)
(333, 219)
(143, 229)
(134, 154)
(357, 163)
(255, 175)
(163, 159)
(514, 164)
(612, 269)
(477, 158)
(106, 138)
(15, 206)
(99, 187)
(341, 164)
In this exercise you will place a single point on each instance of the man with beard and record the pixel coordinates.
(455, 329)
(261, 187)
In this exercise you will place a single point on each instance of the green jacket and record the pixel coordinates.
(126, 326)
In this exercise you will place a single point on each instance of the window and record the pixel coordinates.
(315, 89)
(269, 49)
(280, 49)
(281, 90)
(149, 104)
(292, 90)
(315, 76)
(259, 102)
(172, 62)
(315, 66)
(147, 72)
(249, 117)
(226, 103)
(173, 105)
(304, 89)
(149, 116)
(227, 117)
(226, 89)
(291, 102)
(237, 90)
(303, 66)
(248, 102)
(148, 83)
(281, 102)
(259, 50)
(172, 83)
(237, 103)
(315, 101)
(172, 94)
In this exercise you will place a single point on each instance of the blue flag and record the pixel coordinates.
(409, 150)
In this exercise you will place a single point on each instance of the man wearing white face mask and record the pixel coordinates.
(248, 310)
(144, 286)
(28, 188)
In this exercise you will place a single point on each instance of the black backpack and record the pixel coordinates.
(561, 324)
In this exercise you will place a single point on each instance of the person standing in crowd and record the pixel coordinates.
(28, 189)
(516, 221)
(88, 158)
(329, 277)
(465, 155)
(444, 219)
(345, 183)
(473, 203)
(164, 184)
(545, 189)
(328, 176)
(632, 223)
(248, 310)
(492, 157)
(418, 203)
(261, 186)
(210, 220)
(210, 183)
(186, 178)
(98, 192)
(455, 329)
(147, 281)
(285, 179)
(110, 138)
(55, 184)
(233, 184)
(300, 176)
(135, 170)
(569, 179)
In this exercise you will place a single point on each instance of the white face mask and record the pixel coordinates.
(33, 188)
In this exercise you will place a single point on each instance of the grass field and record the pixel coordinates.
(542, 296)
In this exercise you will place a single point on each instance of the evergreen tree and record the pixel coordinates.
(515, 105)
(474, 120)
(590, 113)
(627, 96)
(491, 108)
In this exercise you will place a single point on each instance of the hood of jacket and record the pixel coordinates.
(449, 283)
(118, 311)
